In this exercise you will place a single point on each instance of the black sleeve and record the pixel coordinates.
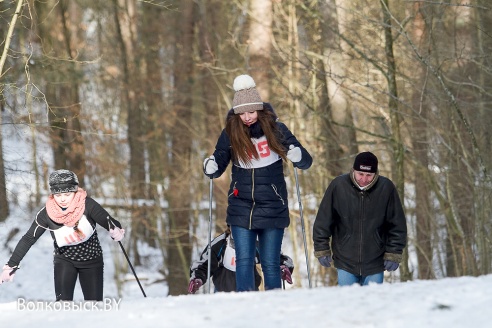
(395, 224)
(31, 236)
(222, 155)
(323, 224)
(199, 268)
(289, 139)
(99, 215)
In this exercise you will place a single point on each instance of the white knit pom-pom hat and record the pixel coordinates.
(246, 98)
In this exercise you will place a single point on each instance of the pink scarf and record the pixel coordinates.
(71, 215)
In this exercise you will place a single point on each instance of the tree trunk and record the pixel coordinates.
(340, 136)
(396, 120)
(260, 38)
(180, 197)
(155, 120)
(60, 42)
(484, 47)
(420, 141)
(4, 205)
(212, 94)
(126, 21)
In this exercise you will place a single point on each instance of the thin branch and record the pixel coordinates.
(447, 4)
(434, 71)
(9, 35)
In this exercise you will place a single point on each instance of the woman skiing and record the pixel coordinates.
(257, 145)
(71, 217)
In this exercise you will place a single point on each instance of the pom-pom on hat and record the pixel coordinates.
(366, 162)
(62, 181)
(246, 98)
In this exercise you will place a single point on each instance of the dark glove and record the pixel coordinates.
(288, 262)
(194, 285)
(325, 261)
(286, 275)
(390, 265)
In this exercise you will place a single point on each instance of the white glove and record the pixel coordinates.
(294, 154)
(210, 165)
(7, 274)
(117, 234)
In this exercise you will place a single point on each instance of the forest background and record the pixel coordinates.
(132, 96)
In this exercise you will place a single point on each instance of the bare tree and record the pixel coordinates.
(179, 195)
(212, 81)
(407, 80)
(424, 228)
(155, 119)
(4, 205)
(396, 120)
(260, 44)
(126, 18)
(60, 40)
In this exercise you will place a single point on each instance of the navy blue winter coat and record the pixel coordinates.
(257, 197)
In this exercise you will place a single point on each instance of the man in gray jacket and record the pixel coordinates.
(361, 222)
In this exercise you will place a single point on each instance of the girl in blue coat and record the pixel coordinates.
(256, 144)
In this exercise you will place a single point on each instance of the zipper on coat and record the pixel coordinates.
(278, 195)
(233, 187)
(360, 231)
(252, 198)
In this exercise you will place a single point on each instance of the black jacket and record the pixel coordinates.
(224, 279)
(94, 213)
(258, 196)
(365, 227)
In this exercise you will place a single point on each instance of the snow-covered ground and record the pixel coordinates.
(458, 302)
(28, 300)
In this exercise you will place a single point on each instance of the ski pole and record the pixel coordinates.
(131, 266)
(302, 226)
(210, 234)
(14, 269)
(128, 260)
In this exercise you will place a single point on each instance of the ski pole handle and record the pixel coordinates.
(13, 270)
(302, 226)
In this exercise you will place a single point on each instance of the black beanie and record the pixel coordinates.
(62, 181)
(366, 162)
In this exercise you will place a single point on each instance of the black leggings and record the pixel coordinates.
(91, 275)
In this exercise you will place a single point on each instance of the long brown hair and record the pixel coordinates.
(239, 134)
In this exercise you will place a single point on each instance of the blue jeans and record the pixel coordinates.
(269, 245)
(346, 278)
